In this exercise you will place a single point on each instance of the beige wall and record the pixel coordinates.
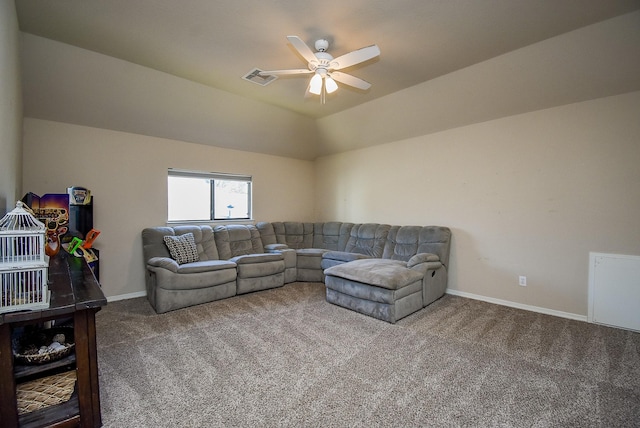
(127, 174)
(530, 195)
(10, 109)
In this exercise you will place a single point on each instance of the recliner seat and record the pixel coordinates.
(257, 269)
(173, 286)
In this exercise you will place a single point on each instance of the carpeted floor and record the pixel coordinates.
(286, 357)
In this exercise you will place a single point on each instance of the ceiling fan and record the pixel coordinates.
(324, 67)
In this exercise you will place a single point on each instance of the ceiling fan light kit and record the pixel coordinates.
(330, 85)
(315, 86)
(325, 68)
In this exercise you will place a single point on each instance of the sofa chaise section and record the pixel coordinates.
(411, 274)
(380, 288)
(171, 285)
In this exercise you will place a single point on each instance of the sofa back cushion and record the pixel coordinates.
(436, 240)
(332, 235)
(294, 234)
(403, 242)
(237, 240)
(267, 234)
(153, 244)
(368, 239)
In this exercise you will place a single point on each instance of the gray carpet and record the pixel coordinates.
(286, 357)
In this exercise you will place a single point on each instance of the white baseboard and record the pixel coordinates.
(510, 304)
(126, 296)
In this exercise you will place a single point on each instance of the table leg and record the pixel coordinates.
(87, 368)
(8, 404)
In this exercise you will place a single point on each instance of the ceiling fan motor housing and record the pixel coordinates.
(322, 45)
(323, 61)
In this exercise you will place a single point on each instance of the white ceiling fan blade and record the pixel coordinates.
(302, 48)
(355, 57)
(285, 72)
(350, 80)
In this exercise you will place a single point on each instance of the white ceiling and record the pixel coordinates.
(215, 43)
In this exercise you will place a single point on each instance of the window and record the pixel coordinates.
(206, 196)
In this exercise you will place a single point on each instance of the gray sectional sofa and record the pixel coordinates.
(384, 271)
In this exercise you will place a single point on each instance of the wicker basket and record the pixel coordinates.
(44, 392)
(26, 348)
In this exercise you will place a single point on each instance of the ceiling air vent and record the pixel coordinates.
(255, 77)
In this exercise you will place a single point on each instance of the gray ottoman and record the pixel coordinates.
(381, 288)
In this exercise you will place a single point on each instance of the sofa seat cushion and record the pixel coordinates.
(257, 258)
(310, 252)
(275, 247)
(259, 270)
(174, 281)
(206, 266)
(389, 274)
(195, 267)
(310, 258)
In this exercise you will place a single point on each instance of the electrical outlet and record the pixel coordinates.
(522, 280)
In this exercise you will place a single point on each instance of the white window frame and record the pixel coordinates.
(213, 176)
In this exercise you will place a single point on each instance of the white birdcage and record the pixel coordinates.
(23, 261)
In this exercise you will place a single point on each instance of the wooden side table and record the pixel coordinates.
(76, 295)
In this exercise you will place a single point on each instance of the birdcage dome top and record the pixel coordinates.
(21, 218)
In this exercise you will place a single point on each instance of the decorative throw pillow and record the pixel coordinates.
(182, 248)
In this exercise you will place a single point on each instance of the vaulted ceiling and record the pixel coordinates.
(215, 43)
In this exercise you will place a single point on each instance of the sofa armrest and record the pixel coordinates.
(344, 256)
(257, 258)
(289, 254)
(427, 266)
(163, 262)
(275, 247)
(422, 258)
